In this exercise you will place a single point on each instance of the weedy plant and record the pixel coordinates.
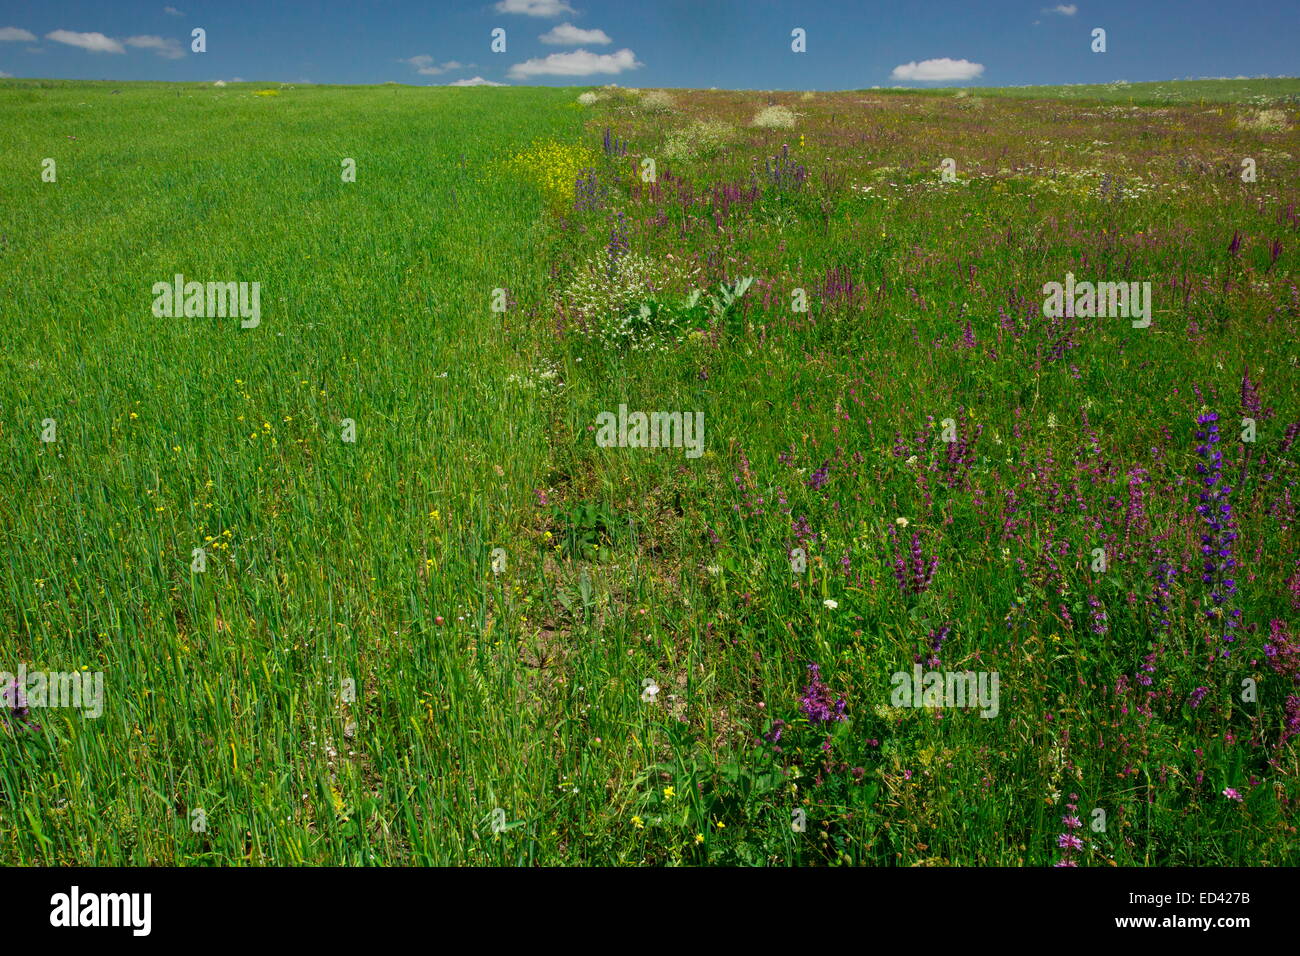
(590, 531)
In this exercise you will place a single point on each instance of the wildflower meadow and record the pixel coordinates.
(601, 476)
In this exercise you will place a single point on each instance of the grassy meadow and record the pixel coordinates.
(435, 619)
(1262, 92)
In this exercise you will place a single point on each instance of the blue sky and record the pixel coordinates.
(739, 44)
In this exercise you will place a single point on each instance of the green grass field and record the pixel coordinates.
(473, 635)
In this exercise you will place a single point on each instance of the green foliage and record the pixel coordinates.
(584, 528)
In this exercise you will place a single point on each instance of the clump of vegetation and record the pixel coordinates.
(1265, 121)
(622, 303)
(775, 117)
(657, 101)
(604, 289)
(553, 166)
(702, 139)
(589, 531)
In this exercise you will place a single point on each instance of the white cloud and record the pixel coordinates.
(172, 12)
(534, 8)
(566, 34)
(94, 42)
(425, 65)
(1064, 9)
(16, 35)
(5, 76)
(475, 81)
(944, 68)
(165, 47)
(577, 63)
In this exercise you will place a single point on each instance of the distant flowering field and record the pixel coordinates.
(917, 555)
(929, 465)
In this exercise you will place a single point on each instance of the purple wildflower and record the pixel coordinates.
(613, 145)
(839, 287)
(1283, 651)
(1216, 541)
(1249, 393)
(1292, 719)
(588, 191)
(1067, 841)
(14, 712)
(1274, 253)
(914, 575)
(784, 172)
(1099, 625)
(936, 639)
(817, 704)
(773, 736)
(618, 243)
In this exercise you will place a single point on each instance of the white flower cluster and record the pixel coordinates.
(775, 117)
(544, 378)
(1268, 121)
(657, 101)
(605, 299)
(702, 139)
